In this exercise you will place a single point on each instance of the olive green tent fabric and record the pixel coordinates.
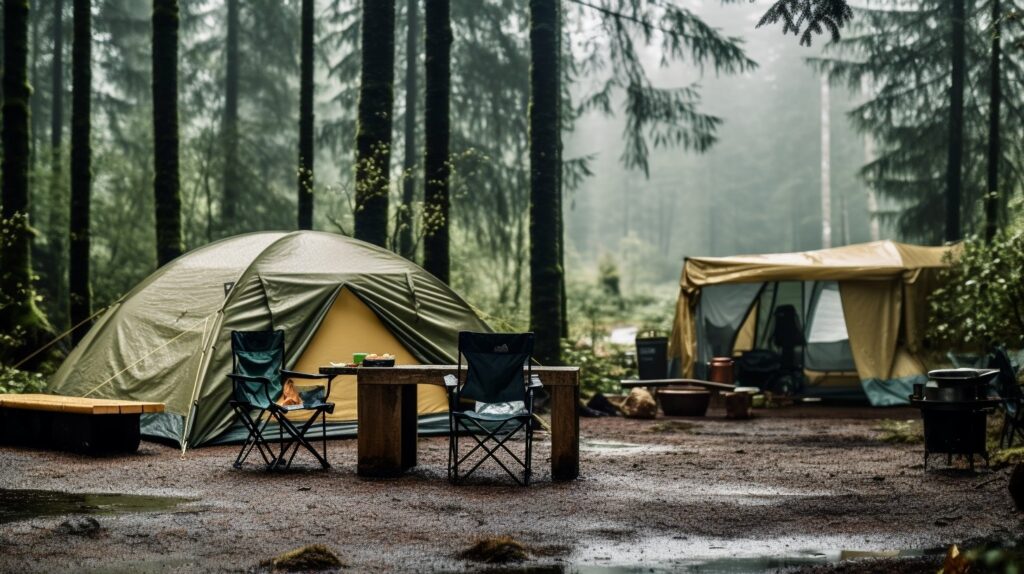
(168, 340)
(883, 286)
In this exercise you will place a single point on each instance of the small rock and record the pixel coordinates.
(311, 558)
(495, 550)
(303, 488)
(80, 526)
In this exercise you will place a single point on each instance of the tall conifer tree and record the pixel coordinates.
(306, 117)
(545, 141)
(19, 316)
(404, 219)
(229, 128)
(373, 133)
(79, 291)
(166, 183)
(436, 172)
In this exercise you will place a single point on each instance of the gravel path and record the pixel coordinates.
(792, 486)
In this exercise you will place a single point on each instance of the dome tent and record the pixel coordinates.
(863, 309)
(168, 340)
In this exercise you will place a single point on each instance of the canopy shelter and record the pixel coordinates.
(168, 340)
(861, 309)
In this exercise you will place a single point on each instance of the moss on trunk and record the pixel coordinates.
(21, 322)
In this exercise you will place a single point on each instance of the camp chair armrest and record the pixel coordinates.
(535, 383)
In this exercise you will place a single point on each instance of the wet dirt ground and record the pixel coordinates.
(799, 487)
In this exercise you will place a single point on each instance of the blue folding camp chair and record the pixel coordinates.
(258, 382)
(498, 370)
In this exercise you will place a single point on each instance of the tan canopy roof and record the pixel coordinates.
(883, 284)
(863, 261)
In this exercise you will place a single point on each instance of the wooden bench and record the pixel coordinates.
(76, 424)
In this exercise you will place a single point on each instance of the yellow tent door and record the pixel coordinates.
(352, 327)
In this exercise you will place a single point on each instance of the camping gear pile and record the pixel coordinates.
(954, 407)
(844, 322)
(168, 340)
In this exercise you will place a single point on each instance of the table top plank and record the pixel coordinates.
(79, 405)
(434, 374)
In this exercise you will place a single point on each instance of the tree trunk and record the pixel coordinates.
(826, 164)
(404, 220)
(35, 17)
(436, 170)
(306, 118)
(58, 192)
(166, 182)
(954, 166)
(994, 103)
(19, 316)
(79, 293)
(373, 134)
(229, 131)
(545, 138)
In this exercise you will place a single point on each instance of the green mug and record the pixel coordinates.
(357, 358)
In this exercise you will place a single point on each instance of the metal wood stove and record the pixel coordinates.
(954, 407)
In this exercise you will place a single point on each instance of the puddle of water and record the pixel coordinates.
(25, 504)
(727, 556)
(616, 447)
(721, 565)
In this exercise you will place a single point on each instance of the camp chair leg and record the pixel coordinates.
(491, 435)
(255, 438)
(297, 438)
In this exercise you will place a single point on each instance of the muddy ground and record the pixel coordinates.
(798, 487)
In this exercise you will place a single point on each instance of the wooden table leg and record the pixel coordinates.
(410, 424)
(565, 432)
(380, 430)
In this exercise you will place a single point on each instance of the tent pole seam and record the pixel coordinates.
(204, 365)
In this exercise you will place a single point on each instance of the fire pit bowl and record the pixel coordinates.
(954, 385)
(684, 401)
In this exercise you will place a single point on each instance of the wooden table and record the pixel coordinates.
(77, 424)
(386, 398)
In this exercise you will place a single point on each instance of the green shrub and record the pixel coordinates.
(15, 381)
(981, 301)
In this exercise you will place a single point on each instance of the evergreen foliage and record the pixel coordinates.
(815, 17)
(903, 52)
